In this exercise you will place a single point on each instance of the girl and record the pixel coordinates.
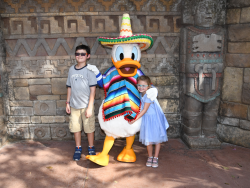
(154, 123)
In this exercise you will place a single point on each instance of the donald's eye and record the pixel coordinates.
(134, 54)
(119, 54)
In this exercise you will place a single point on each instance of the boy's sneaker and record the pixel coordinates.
(91, 150)
(77, 154)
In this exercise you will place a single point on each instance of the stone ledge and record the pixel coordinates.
(196, 142)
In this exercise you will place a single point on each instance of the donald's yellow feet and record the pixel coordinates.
(127, 155)
(100, 159)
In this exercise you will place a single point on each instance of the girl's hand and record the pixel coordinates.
(131, 122)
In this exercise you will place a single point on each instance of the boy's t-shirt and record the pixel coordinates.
(80, 81)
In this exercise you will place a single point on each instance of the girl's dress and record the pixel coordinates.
(154, 123)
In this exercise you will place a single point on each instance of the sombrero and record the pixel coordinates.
(126, 36)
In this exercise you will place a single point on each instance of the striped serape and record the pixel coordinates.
(121, 95)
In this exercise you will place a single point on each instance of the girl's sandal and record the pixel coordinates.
(155, 162)
(149, 162)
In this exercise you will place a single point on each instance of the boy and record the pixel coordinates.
(81, 86)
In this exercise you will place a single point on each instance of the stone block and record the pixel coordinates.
(237, 60)
(61, 104)
(246, 93)
(248, 113)
(165, 80)
(19, 133)
(247, 75)
(238, 3)
(244, 124)
(234, 110)
(233, 16)
(44, 108)
(173, 117)
(19, 119)
(44, 81)
(60, 132)
(61, 112)
(239, 47)
(61, 107)
(53, 119)
(66, 118)
(99, 133)
(21, 93)
(245, 15)
(229, 121)
(40, 89)
(232, 84)
(35, 119)
(20, 82)
(59, 86)
(174, 129)
(239, 32)
(168, 92)
(233, 135)
(63, 97)
(21, 111)
(40, 131)
(48, 97)
(21, 103)
(169, 105)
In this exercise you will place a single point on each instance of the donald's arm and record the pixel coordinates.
(98, 75)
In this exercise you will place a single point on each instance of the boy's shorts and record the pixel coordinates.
(77, 120)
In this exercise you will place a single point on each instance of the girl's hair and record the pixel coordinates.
(144, 78)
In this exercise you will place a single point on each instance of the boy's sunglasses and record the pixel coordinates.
(82, 54)
(143, 86)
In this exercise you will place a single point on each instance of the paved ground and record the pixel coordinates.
(34, 164)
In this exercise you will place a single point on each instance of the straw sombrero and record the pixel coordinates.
(126, 36)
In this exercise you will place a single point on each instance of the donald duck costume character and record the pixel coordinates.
(122, 99)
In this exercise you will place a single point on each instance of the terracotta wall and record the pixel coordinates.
(40, 38)
(234, 120)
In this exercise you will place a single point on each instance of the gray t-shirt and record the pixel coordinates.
(80, 81)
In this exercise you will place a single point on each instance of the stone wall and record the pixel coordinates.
(40, 40)
(3, 128)
(234, 120)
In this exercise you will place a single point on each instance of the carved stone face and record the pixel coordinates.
(205, 13)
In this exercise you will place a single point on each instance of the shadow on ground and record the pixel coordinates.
(49, 164)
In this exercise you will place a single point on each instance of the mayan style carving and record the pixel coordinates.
(202, 60)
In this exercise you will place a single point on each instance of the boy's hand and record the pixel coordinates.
(88, 112)
(68, 108)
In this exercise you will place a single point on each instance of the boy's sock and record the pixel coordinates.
(91, 150)
(77, 154)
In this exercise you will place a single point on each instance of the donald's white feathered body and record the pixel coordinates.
(122, 99)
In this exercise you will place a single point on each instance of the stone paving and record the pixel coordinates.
(29, 164)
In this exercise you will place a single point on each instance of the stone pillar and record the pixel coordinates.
(3, 128)
(202, 58)
(234, 120)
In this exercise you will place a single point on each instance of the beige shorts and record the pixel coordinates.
(77, 120)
